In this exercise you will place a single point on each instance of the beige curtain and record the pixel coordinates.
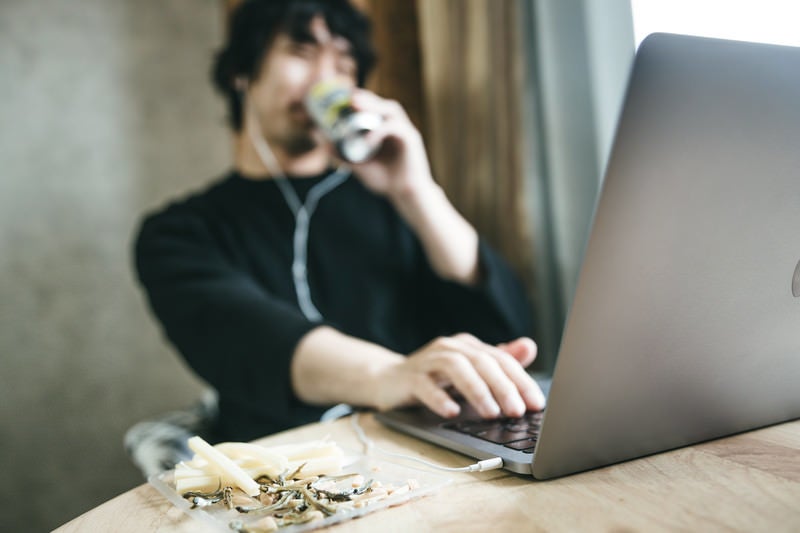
(472, 80)
(398, 73)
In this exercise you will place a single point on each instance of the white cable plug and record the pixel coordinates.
(481, 466)
(487, 464)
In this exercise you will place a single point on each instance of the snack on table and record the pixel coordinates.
(280, 485)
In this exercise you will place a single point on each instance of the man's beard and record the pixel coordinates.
(300, 143)
(298, 138)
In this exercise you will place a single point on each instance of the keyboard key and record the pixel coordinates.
(523, 444)
(524, 426)
(533, 418)
(501, 435)
(472, 427)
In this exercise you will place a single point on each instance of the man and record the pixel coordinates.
(297, 282)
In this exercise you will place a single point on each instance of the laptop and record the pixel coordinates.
(685, 323)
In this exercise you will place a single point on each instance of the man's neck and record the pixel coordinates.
(249, 164)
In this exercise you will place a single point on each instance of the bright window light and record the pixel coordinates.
(766, 21)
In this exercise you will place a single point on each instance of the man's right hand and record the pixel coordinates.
(491, 378)
(330, 367)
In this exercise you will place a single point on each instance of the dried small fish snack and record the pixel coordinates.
(312, 488)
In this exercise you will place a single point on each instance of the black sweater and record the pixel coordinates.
(216, 268)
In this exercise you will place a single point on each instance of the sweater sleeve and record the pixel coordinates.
(496, 310)
(231, 331)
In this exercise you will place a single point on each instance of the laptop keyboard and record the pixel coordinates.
(515, 433)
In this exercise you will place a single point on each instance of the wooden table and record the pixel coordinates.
(749, 482)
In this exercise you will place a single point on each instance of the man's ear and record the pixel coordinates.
(241, 83)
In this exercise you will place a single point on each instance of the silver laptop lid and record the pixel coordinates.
(684, 326)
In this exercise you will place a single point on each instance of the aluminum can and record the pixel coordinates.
(328, 102)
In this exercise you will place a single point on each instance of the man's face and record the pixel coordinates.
(288, 71)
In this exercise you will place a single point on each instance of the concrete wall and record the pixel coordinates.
(105, 111)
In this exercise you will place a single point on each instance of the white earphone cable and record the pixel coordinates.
(302, 212)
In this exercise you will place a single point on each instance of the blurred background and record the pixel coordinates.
(107, 112)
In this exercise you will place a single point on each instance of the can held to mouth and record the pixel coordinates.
(328, 103)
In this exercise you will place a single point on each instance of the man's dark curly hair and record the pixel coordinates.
(254, 25)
